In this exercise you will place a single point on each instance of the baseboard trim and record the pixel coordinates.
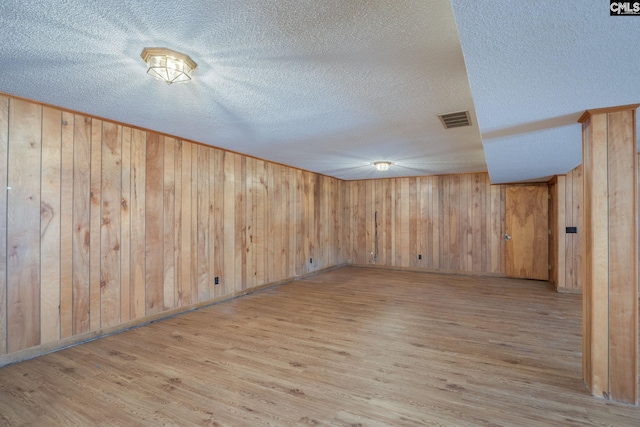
(427, 270)
(564, 290)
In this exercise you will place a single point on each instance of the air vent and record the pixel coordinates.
(455, 120)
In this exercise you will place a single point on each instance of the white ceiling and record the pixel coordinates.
(331, 86)
(534, 68)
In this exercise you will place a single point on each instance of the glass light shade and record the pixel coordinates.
(382, 166)
(168, 65)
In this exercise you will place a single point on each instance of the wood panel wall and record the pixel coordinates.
(104, 224)
(566, 262)
(610, 276)
(456, 222)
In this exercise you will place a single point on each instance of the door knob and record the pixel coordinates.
(507, 236)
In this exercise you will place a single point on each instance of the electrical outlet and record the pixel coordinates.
(310, 260)
(419, 256)
(216, 281)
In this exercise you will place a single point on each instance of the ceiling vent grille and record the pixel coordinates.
(455, 120)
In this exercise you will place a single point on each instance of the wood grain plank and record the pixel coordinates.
(576, 240)
(125, 227)
(311, 235)
(464, 224)
(66, 225)
(413, 213)
(436, 210)
(394, 218)
(427, 190)
(485, 222)
(23, 225)
(325, 223)
(300, 209)
(168, 227)
(459, 224)
(273, 224)
(228, 280)
(186, 272)
(316, 202)
(259, 209)
(50, 193)
(154, 195)
(321, 220)
(212, 222)
(110, 272)
(81, 222)
(488, 225)
(623, 257)
(312, 230)
(349, 207)
(346, 228)
(358, 222)
(477, 244)
(95, 225)
(570, 271)
(337, 207)
(4, 165)
(496, 229)
(203, 223)
(240, 223)
(378, 215)
(219, 267)
(285, 221)
(248, 220)
(291, 253)
(177, 225)
(559, 232)
(356, 250)
(369, 214)
(587, 297)
(503, 243)
(445, 215)
(423, 222)
(348, 221)
(597, 224)
(138, 222)
(387, 231)
(193, 210)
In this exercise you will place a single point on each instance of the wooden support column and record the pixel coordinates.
(610, 267)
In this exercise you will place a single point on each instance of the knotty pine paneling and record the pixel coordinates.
(104, 224)
(23, 225)
(456, 222)
(50, 225)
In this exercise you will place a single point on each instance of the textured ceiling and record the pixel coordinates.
(331, 86)
(534, 68)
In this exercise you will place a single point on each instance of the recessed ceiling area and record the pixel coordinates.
(334, 86)
(534, 68)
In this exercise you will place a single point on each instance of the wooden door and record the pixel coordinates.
(527, 232)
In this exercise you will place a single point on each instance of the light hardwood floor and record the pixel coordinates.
(354, 346)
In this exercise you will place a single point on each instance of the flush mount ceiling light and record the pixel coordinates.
(168, 65)
(382, 166)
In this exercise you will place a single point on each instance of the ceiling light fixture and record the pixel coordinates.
(167, 65)
(382, 166)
